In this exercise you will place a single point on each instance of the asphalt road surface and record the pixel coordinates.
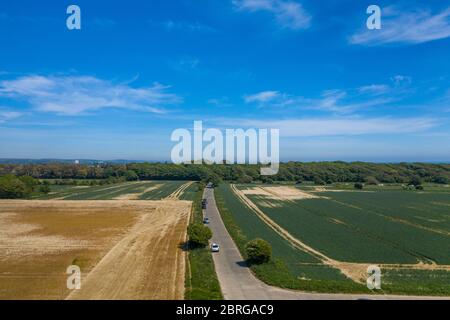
(239, 283)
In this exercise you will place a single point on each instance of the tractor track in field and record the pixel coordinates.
(85, 191)
(178, 192)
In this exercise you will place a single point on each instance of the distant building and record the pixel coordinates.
(77, 161)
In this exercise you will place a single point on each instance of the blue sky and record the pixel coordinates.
(137, 70)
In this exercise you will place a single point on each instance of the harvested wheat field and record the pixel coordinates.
(109, 241)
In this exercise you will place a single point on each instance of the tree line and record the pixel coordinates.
(314, 172)
(21, 187)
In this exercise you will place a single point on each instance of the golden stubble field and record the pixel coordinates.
(125, 249)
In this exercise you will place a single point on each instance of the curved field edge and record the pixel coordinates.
(201, 278)
(282, 271)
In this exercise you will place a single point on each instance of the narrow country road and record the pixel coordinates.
(238, 282)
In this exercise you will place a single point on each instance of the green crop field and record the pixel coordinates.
(290, 268)
(191, 192)
(384, 226)
(164, 190)
(420, 282)
(71, 192)
(142, 190)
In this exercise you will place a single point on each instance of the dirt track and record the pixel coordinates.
(177, 193)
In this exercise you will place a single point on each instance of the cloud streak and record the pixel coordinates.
(399, 27)
(338, 126)
(73, 95)
(288, 14)
(6, 115)
(262, 97)
(336, 100)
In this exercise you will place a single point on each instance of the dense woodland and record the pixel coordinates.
(316, 172)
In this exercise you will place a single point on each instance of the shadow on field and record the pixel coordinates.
(185, 246)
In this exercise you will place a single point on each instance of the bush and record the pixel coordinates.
(245, 179)
(258, 251)
(130, 175)
(199, 235)
(319, 181)
(45, 189)
(372, 181)
(359, 186)
(441, 180)
(415, 181)
(29, 183)
(13, 188)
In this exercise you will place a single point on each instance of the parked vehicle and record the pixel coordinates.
(206, 220)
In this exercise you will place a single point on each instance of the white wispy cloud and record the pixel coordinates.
(406, 27)
(311, 127)
(335, 100)
(73, 95)
(261, 97)
(374, 89)
(401, 80)
(6, 115)
(288, 14)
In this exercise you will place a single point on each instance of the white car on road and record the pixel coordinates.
(215, 247)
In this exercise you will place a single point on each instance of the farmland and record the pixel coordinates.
(141, 190)
(147, 262)
(323, 239)
(41, 238)
(334, 234)
(126, 248)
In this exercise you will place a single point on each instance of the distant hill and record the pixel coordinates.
(66, 161)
